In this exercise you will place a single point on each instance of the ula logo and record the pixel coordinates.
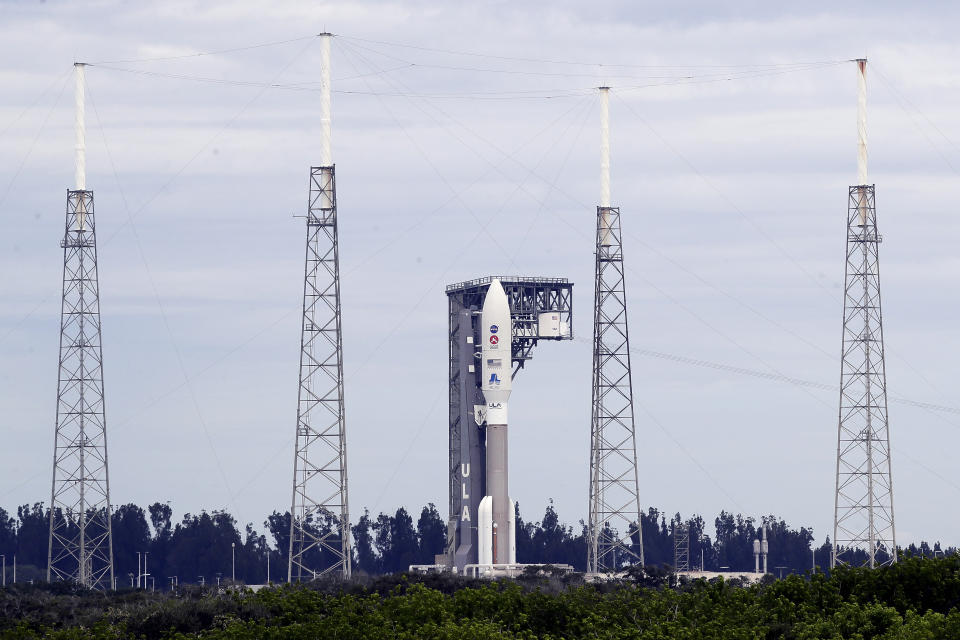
(494, 378)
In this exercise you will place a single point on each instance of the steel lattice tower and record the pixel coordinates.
(681, 547)
(320, 522)
(80, 545)
(615, 533)
(863, 530)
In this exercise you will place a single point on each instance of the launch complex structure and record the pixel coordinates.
(494, 325)
(319, 512)
(542, 309)
(863, 525)
(80, 545)
(539, 309)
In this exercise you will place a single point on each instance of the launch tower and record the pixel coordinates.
(863, 528)
(540, 309)
(80, 547)
(319, 514)
(615, 537)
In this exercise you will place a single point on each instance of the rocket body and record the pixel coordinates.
(497, 337)
(497, 544)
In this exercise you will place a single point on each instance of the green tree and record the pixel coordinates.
(431, 534)
(33, 529)
(396, 541)
(130, 536)
(366, 557)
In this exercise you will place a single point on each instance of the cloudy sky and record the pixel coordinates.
(466, 143)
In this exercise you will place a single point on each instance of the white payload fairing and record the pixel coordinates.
(497, 539)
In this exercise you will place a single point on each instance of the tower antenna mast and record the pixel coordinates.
(863, 526)
(319, 513)
(615, 535)
(80, 545)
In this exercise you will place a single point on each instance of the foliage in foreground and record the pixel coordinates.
(914, 599)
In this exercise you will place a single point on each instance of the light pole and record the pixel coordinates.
(203, 581)
(4, 569)
(145, 572)
(139, 570)
(233, 562)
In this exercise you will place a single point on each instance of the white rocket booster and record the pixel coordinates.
(497, 540)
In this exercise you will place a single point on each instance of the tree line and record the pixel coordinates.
(206, 547)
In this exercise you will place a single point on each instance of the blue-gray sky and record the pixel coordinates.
(470, 150)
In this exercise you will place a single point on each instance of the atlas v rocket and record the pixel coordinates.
(495, 323)
(497, 524)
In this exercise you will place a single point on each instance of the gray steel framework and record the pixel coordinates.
(863, 529)
(614, 528)
(320, 522)
(681, 547)
(528, 297)
(80, 547)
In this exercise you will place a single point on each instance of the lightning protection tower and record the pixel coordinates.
(863, 528)
(319, 514)
(80, 545)
(615, 534)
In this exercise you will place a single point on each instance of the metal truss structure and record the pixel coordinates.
(528, 299)
(863, 529)
(681, 547)
(80, 546)
(614, 528)
(320, 522)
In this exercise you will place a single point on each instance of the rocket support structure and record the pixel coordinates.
(512, 314)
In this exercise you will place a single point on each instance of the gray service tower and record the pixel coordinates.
(540, 309)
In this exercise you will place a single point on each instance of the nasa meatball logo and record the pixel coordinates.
(494, 328)
(494, 339)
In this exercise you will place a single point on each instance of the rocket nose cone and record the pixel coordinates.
(496, 296)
